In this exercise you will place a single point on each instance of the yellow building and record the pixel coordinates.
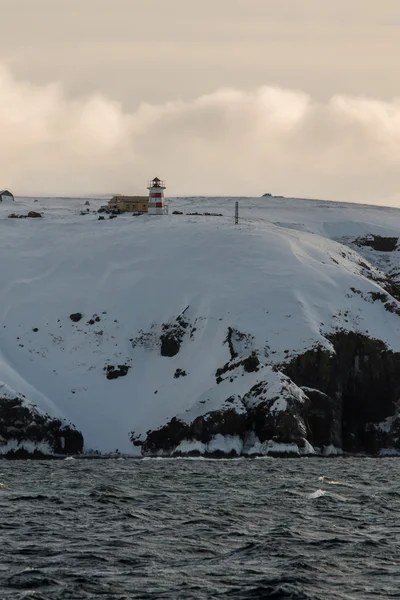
(138, 204)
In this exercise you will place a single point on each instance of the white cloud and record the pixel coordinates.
(229, 142)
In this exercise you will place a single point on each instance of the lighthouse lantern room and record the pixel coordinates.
(156, 189)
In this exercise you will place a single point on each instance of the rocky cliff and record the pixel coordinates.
(26, 432)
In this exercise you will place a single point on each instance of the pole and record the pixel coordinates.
(236, 213)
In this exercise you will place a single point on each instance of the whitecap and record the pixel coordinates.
(317, 494)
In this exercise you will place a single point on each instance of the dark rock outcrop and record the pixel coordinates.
(344, 398)
(361, 384)
(323, 420)
(76, 317)
(378, 243)
(179, 373)
(286, 425)
(31, 215)
(113, 372)
(27, 432)
(166, 439)
(172, 336)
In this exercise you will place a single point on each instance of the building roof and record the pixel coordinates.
(5, 193)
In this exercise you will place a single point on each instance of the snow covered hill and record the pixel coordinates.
(189, 330)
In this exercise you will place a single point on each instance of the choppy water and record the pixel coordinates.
(155, 529)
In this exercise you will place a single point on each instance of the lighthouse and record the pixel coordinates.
(156, 189)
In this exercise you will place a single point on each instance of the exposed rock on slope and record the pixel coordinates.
(178, 437)
(27, 432)
(268, 419)
(360, 382)
(343, 399)
(378, 243)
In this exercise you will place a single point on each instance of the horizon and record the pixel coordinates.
(103, 196)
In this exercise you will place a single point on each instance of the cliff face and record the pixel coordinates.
(360, 381)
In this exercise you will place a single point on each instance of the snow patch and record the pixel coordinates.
(218, 444)
(331, 451)
(15, 445)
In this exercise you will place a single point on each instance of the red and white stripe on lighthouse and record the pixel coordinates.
(156, 189)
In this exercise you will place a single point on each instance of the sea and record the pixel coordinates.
(185, 529)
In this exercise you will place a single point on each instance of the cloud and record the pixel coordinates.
(230, 142)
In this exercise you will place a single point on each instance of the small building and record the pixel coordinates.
(5, 195)
(134, 204)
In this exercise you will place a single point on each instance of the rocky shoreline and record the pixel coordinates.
(324, 402)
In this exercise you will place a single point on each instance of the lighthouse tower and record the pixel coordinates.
(156, 189)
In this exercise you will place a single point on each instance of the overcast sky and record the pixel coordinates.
(235, 97)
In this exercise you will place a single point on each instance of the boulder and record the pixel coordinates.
(75, 317)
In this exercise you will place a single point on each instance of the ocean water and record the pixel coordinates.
(181, 529)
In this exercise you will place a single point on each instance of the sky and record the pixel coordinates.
(219, 97)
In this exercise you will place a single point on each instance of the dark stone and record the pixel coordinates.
(179, 373)
(34, 215)
(228, 340)
(251, 363)
(172, 335)
(170, 345)
(35, 329)
(378, 243)
(177, 212)
(75, 317)
(113, 372)
(101, 218)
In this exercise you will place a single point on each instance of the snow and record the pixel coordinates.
(389, 452)
(331, 450)
(220, 443)
(7, 392)
(278, 390)
(282, 276)
(28, 446)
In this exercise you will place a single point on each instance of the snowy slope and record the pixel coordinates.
(282, 277)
